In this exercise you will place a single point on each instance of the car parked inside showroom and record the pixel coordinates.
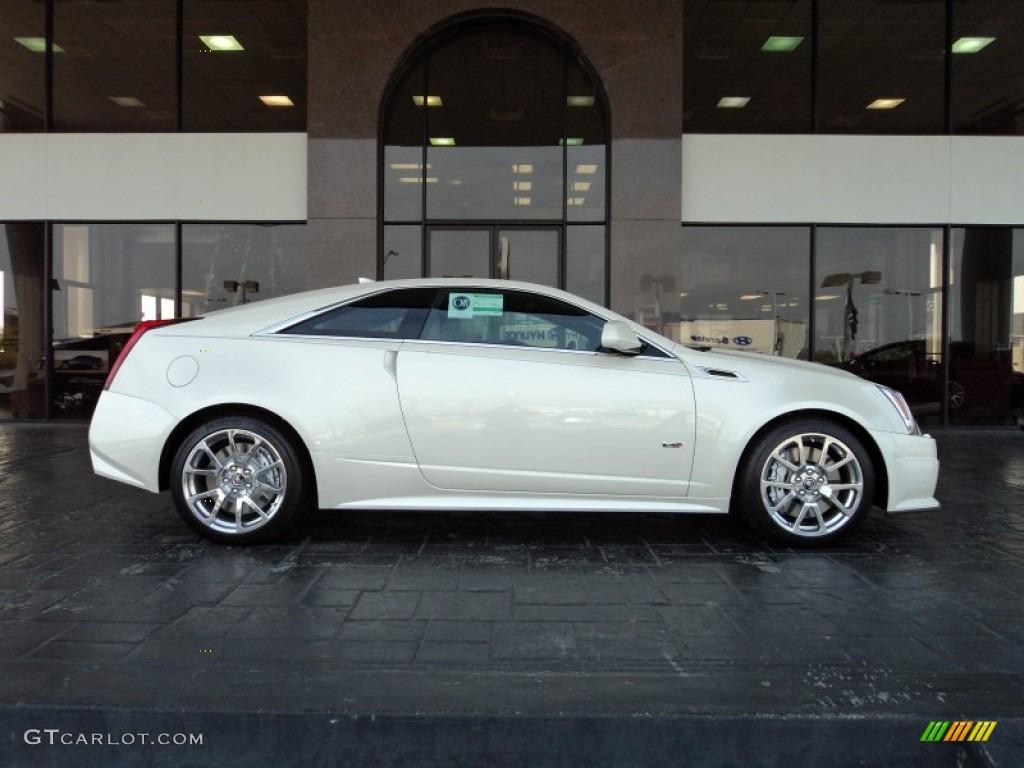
(451, 394)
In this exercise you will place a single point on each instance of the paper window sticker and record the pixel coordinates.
(488, 304)
(460, 305)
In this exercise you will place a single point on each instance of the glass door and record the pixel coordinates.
(463, 252)
(529, 254)
(506, 252)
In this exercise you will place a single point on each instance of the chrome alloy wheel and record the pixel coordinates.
(234, 481)
(812, 485)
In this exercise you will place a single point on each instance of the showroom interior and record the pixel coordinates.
(840, 181)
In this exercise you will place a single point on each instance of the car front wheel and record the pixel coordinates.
(238, 480)
(807, 483)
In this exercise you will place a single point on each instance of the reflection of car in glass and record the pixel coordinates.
(977, 386)
(491, 395)
(81, 363)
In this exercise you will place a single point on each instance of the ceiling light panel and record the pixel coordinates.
(885, 103)
(733, 102)
(781, 44)
(971, 44)
(220, 43)
(37, 44)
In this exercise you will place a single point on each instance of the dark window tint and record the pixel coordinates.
(389, 315)
(513, 318)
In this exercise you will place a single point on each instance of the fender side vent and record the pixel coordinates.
(719, 373)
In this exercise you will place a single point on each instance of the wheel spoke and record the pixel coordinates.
(781, 459)
(256, 508)
(203, 495)
(839, 464)
(843, 509)
(785, 500)
(236, 454)
(803, 513)
(845, 486)
(821, 520)
(202, 472)
(205, 445)
(802, 447)
(261, 470)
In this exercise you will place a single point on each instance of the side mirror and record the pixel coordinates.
(619, 337)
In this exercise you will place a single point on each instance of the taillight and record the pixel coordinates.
(141, 328)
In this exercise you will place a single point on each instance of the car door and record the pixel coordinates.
(509, 391)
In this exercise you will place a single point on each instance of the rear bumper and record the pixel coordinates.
(126, 438)
(913, 470)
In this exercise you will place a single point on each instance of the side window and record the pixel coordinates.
(513, 318)
(397, 314)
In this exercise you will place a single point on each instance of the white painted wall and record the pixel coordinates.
(853, 179)
(163, 176)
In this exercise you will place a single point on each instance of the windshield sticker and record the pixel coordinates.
(466, 305)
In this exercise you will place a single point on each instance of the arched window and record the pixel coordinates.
(495, 159)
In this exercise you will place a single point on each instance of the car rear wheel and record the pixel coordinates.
(238, 480)
(807, 483)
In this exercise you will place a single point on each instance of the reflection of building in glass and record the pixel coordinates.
(702, 166)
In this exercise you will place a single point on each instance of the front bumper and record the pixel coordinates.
(913, 470)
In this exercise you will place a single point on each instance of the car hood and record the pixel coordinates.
(749, 363)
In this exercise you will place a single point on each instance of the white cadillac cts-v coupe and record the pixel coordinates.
(491, 395)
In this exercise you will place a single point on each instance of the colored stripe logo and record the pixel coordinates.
(959, 730)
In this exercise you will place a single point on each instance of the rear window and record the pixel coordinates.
(397, 314)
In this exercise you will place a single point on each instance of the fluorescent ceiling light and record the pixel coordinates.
(751, 296)
(971, 44)
(570, 142)
(885, 103)
(127, 101)
(579, 101)
(781, 44)
(37, 44)
(417, 179)
(524, 200)
(442, 141)
(733, 102)
(584, 169)
(277, 101)
(522, 186)
(527, 168)
(409, 166)
(576, 200)
(221, 42)
(825, 297)
(581, 186)
(431, 101)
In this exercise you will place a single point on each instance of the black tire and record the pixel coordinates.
(806, 500)
(238, 480)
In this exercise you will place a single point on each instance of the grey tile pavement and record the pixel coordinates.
(108, 601)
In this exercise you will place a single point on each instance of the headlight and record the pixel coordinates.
(900, 404)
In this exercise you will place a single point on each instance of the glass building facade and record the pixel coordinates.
(850, 174)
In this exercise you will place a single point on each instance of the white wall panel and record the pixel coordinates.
(988, 180)
(23, 185)
(97, 177)
(853, 179)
